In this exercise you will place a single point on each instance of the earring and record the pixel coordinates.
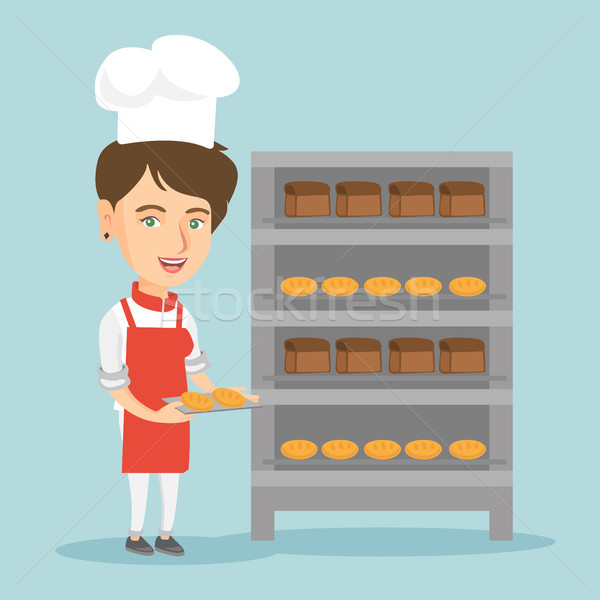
(106, 236)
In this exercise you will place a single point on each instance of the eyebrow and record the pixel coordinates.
(191, 210)
(150, 207)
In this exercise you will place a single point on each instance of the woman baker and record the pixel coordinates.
(164, 187)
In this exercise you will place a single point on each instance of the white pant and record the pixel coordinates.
(138, 486)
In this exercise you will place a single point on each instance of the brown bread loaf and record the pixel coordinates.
(411, 199)
(358, 199)
(306, 199)
(462, 199)
(358, 355)
(462, 355)
(411, 355)
(306, 355)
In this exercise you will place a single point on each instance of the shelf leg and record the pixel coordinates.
(501, 519)
(262, 519)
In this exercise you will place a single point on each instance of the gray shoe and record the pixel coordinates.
(169, 546)
(140, 546)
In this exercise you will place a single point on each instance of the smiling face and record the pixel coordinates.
(164, 235)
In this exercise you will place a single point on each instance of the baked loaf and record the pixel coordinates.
(382, 449)
(462, 355)
(462, 199)
(339, 449)
(196, 401)
(423, 286)
(358, 199)
(228, 398)
(411, 199)
(339, 286)
(411, 355)
(298, 286)
(299, 449)
(422, 449)
(358, 355)
(306, 199)
(467, 449)
(306, 355)
(382, 286)
(467, 286)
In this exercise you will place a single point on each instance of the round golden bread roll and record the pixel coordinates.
(339, 286)
(298, 449)
(196, 401)
(467, 449)
(228, 398)
(298, 286)
(339, 449)
(382, 449)
(422, 449)
(467, 286)
(423, 286)
(382, 286)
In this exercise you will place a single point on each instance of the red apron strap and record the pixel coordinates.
(179, 315)
(127, 312)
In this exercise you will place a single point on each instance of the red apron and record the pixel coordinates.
(156, 361)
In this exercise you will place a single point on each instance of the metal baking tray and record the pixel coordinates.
(189, 411)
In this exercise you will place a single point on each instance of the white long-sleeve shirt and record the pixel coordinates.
(113, 338)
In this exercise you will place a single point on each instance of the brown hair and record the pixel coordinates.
(187, 168)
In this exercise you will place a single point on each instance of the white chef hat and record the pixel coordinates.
(167, 93)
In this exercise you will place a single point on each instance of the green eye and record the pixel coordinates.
(196, 224)
(151, 222)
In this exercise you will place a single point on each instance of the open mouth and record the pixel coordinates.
(172, 265)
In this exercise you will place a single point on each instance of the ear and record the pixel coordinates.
(106, 215)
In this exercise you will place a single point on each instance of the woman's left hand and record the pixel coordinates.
(251, 397)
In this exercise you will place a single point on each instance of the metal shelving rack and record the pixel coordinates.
(375, 406)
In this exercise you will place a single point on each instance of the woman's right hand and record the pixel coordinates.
(170, 414)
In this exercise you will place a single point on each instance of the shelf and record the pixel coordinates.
(380, 478)
(382, 222)
(381, 159)
(406, 318)
(384, 377)
(381, 237)
(391, 464)
(321, 295)
(366, 406)
(383, 397)
(362, 302)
